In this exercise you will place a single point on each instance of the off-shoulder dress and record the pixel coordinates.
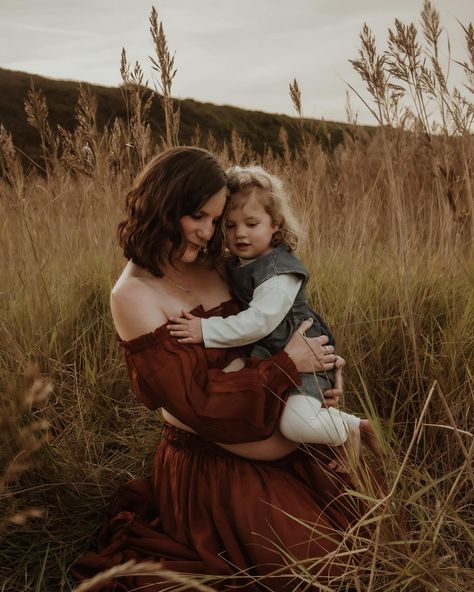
(204, 510)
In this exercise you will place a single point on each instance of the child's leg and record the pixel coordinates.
(360, 430)
(305, 420)
(348, 453)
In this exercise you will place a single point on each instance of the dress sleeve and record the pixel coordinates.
(225, 407)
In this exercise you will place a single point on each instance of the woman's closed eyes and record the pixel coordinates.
(200, 216)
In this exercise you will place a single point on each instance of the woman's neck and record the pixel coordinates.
(180, 269)
(176, 268)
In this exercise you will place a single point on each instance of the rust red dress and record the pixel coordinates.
(204, 510)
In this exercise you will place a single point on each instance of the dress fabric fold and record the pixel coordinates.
(204, 510)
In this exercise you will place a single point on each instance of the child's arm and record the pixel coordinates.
(270, 303)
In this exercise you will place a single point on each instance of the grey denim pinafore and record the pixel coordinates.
(245, 278)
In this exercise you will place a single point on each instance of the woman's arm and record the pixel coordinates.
(224, 407)
(230, 408)
(331, 397)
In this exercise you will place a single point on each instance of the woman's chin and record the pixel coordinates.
(190, 255)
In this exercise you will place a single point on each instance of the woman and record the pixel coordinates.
(227, 492)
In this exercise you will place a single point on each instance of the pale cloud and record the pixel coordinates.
(19, 27)
(227, 51)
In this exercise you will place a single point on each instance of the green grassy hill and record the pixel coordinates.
(259, 129)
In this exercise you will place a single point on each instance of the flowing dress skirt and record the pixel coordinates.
(206, 511)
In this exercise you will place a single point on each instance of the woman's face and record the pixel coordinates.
(198, 228)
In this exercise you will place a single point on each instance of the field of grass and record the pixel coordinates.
(390, 219)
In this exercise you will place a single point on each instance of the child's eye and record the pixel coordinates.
(229, 225)
(196, 216)
(251, 224)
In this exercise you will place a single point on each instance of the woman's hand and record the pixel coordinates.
(310, 354)
(332, 397)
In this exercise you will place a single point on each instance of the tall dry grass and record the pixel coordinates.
(390, 221)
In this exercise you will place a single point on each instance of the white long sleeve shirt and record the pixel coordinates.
(271, 302)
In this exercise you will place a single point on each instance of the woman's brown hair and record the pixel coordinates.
(176, 183)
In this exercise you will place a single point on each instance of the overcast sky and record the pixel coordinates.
(238, 52)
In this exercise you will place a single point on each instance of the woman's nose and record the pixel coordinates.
(206, 231)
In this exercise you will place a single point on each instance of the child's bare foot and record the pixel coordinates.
(369, 437)
(347, 453)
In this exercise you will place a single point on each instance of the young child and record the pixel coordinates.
(269, 280)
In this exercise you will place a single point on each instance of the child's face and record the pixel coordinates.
(249, 228)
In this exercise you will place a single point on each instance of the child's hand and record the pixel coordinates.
(187, 328)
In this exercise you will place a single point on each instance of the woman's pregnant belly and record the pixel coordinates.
(272, 448)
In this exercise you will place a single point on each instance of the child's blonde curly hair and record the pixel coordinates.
(272, 195)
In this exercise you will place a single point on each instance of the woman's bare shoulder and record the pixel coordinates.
(135, 307)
